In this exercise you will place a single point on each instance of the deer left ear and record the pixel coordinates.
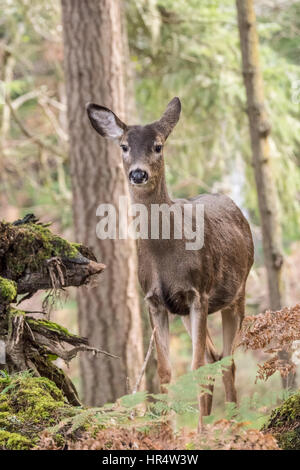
(170, 117)
(105, 122)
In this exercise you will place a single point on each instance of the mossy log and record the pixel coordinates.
(33, 258)
(284, 423)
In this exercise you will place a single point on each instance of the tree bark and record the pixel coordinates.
(151, 377)
(109, 315)
(259, 134)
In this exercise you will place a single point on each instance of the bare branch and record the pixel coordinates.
(30, 136)
(138, 382)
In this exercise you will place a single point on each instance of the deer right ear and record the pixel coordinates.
(170, 117)
(105, 122)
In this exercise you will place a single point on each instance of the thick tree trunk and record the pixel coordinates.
(109, 315)
(259, 134)
(151, 376)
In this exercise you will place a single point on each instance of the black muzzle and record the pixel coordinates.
(138, 176)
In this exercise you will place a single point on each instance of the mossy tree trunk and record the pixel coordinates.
(262, 159)
(110, 315)
(32, 258)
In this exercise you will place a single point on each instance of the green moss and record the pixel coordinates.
(14, 441)
(4, 416)
(8, 290)
(284, 423)
(289, 440)
(29, 405)
(38, 400)
(32, 245)
(3, 403)
(16, 311)
(59, 440)
(49, 325)
(287, 413)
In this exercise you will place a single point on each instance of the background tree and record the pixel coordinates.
(260, 128)
(109, 316)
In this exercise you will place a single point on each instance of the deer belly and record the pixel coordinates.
(178, 302)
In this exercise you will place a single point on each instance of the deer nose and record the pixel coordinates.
(138, 176)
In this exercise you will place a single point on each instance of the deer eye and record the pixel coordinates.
(157, 148)
(124, 148)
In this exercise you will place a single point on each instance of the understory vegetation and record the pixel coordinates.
(35, 413)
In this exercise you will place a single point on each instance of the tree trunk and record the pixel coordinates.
(109, 314)
(151, 376)
(259, 133)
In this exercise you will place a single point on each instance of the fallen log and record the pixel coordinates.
(35, 258)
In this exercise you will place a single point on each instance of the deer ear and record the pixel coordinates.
(105, 122)
(170, 117)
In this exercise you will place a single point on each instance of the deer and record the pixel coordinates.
(191, 284)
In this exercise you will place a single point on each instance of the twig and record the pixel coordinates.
(52, 118)
(93, 350)
(56, 347)
(18, 102)
(138, 382)
(30, 136)
(42, 312)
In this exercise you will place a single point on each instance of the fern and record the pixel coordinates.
(181, 399)
(133, 400)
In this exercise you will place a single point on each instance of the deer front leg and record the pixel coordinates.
(198, 319)
(160, 321)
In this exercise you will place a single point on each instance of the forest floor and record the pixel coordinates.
(34, 414)
(223, 435)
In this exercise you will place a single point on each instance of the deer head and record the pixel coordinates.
(142, 146)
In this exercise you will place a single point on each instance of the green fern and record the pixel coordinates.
(133, 400)
(181, 399)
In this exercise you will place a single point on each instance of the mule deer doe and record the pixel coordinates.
(192, 284)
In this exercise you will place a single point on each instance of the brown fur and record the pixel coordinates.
(189, 283)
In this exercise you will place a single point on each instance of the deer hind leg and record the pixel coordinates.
(211, 356)
(198, 319)
(160, 321)
(232, 318)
